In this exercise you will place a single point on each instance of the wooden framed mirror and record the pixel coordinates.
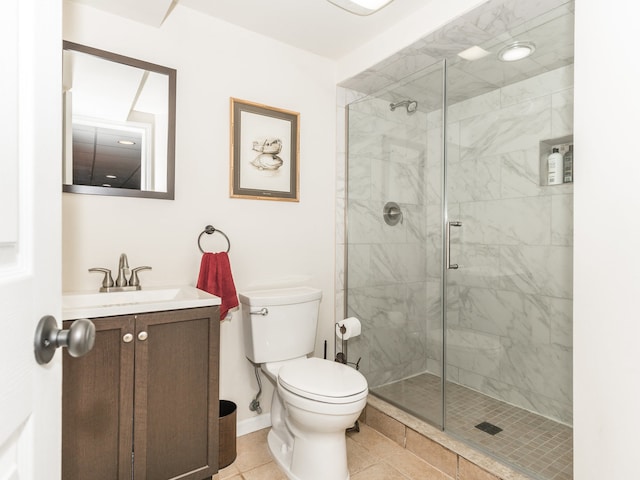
(119, 124)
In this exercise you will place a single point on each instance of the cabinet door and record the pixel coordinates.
(97, 405)
(176, 394)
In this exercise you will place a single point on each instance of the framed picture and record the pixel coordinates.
(265, 146)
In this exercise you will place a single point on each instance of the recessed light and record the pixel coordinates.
(361, 7)
(106, 185)
(473, 53)
(111, 176)
(126, 142)
(516, 51)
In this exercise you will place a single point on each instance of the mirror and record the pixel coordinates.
(119, 124)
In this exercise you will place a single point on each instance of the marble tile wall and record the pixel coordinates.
(510, 304)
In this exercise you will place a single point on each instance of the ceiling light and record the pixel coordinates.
(106, 185)
(516, 51)
(111, 176)
(361, 7)
(473, 53)
(126, 142)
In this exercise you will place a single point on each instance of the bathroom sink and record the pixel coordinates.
(92, 305)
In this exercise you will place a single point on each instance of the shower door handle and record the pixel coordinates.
(447, 244)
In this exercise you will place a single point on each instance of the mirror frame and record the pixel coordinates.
(171, 132)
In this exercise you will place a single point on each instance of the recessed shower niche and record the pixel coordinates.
(564, 147)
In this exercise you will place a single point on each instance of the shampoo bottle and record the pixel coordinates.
(568, 165)
(555, 171)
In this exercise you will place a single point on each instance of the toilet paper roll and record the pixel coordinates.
(352, 326)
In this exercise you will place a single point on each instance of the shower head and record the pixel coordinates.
(411, 105)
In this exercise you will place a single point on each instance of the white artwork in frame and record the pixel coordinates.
(264, 152)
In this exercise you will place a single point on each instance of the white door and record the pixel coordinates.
(30, 234)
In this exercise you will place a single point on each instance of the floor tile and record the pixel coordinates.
(373, 456)
(269, 471)
(370, 456)
(528, 442)
(374, 442)
(252, 451)
(379, 471)
(229, 472)
(358, 457)
(415, 468)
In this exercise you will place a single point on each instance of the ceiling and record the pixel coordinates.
(414, 72)
(313, 25)
(549, 28)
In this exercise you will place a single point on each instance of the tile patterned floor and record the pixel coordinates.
(371, 456)
(538, 446)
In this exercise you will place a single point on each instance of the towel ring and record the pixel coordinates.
(209, 229)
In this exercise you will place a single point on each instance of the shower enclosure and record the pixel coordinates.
(458, 251)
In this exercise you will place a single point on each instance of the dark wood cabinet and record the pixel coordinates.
(143, 404)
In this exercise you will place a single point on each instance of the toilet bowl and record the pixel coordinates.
(314, 400)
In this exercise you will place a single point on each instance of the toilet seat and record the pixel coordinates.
(323, 381)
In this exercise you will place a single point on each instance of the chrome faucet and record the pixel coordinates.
(123, 271)
(121, 283)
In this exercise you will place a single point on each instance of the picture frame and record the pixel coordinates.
(265, 152)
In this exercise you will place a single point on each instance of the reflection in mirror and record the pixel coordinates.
(119, 124)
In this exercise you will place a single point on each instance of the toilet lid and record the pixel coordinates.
(323, 380)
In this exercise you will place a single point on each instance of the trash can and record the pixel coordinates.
(227, 436)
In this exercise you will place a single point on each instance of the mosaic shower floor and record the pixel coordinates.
(534, 444)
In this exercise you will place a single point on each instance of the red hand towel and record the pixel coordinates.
(215, 278)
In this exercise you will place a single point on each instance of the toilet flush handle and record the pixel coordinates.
(263, 311)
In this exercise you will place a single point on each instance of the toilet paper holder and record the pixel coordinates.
(341, 357)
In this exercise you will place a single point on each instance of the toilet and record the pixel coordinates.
(315, 400)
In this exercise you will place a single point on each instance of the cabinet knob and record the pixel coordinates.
(143, 335)
(127, 338)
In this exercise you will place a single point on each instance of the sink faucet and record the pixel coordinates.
(123, 270)
(121, 283)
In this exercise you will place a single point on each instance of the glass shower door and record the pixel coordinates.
(394, 242)
(509, 279)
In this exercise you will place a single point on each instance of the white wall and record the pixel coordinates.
(607, 240)
(272, 242)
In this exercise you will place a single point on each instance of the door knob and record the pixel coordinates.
(79, 339)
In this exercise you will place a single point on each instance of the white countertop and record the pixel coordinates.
(106, 304)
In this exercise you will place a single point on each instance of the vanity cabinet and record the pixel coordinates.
(143, 404)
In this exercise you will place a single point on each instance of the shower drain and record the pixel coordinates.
(489, 428)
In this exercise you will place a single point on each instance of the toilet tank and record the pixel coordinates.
(279, 324)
